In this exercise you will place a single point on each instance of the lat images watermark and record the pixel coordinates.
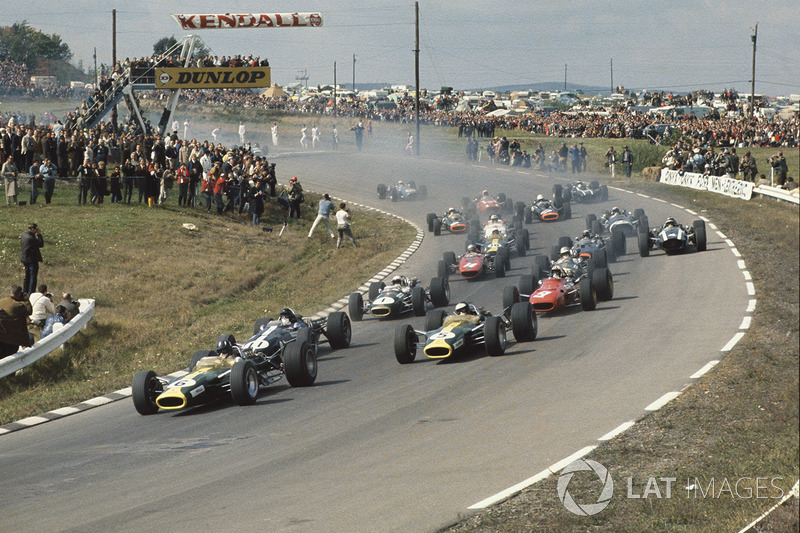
(662, 487)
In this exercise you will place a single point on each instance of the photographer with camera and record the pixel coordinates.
(343, 225)
(42, 305)
(779, 168)
(30, 254)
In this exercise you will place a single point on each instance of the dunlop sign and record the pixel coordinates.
(212, 78)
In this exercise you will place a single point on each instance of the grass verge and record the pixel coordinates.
(163, 291)
(737, 423)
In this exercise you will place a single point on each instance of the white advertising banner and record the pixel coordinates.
(718, 184)
(249, 20)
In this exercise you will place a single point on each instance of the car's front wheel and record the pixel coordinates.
(244, 382)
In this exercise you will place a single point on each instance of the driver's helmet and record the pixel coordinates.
(564, 251)
(556, 272)
(451, 210)
(496, 232)
(539, 198)
(400, 183)
(462, 308)
(587, 234)
(225, 344)
(494, 218)
(471, 248)
(397, 280)
(287, 316)
(616, 211)
(670, 222)
(485, 193)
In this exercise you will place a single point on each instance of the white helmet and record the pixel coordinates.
(539, 197)
(471, 248)
(397, 280)
(494, 218)
(564, 250)
(462, 308)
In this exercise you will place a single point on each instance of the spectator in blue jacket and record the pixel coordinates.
(323, 215)
(61, 316)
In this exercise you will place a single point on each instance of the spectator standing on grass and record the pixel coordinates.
(627, 161)
(10, 175)
(14, 313)
(31, 242)
(584, 157)
(563, 152)
(295, 192)
(42, 305)
(35, 180)
(48, 172)
(256, 200)
(779, 168)
(748, 167)
(323, 215)
(575, 159)
(343, 225)
(358, 129)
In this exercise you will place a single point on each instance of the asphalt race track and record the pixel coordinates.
(376, 446)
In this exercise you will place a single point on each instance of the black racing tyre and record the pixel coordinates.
(594, 185)
(558, 191)
(244, 382)
(145, 389)
(520, 246)
(591, 264)
(473, 225)
(405, 344)
(440, 291)
(442, 270)
(434, 319)
(526, 238)
(644, 243)
(196, 356)
(382, 190)
(528, 215)
(506, 258)
(567, 210)
(437, 227)
(509, 205)
(494, 335)
(449, 258)
(465, 203)
(510, 297)
(610, 255)
(619, 242)
(596, 228)
(564, 241)
(338, 330)
(501, 197)
(558, 202)
(541, 265)
(590, 219)
(567, 194)
(700, 235)
(638, 213)
(418, 300)
(603, 193)
(523, 322)
(499, 265)
(394, 194)
(519, 210)
(412, 184)
(260, 324)
(429, 219)
(555, 252)
(528, 284)
(355, 306)
(644, 224)
(375, 289)
(587, 294)
(603, 284)
(600, 258)
(300, 363)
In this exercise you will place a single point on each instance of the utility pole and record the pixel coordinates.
(114, 60)
(354, 73)
(334, 89)
(754, 37)
(612, 75)
(95, 67)
(416, 71)
(565, 77)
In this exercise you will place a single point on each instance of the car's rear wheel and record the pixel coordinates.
(541, 265)
(429, 219)
(382, 190)
(145, 389)
(528, 284)
(588, 294)
(418, 300)
(355, 306)
(440, 291)
(600, 258)
(596, 228)
(638, 213)
(619, 242)
(260, 324)
(300, 363)
(526, 238)
(244, 382)
(590, 218)
(405, 344)
(499, 265)
(434, 319)
(437, 227)
(644, 243)
(604, 284)
(604, 193)
(449, 258)
(523, 322)
(520, 246)
(442, 270)
(494, 335)
(567, 210)
(510, 297)
(700, 235)
(338, 330)
(375, 289)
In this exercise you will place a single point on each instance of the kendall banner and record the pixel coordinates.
(249, 20)
(212, 78)
(718, 184)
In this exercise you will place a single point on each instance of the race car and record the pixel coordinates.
(448, 335)
(672, 237)
(498, 234)
(402, 190)
(619, 223)
(591, 249)
(402, 295)
(285, 347)
(546, 210)
(560, 285)
(452, 220)
(582, 193)
(478, 259)
(485, 205)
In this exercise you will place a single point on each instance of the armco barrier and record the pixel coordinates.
(724, 185)
(21, 359)
(778, 193)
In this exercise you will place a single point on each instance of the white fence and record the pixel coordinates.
(724, 185)
(26, 356)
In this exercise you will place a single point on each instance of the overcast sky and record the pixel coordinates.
(676, 45)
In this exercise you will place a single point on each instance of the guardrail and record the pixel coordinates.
(724, 185)
(776, 192)
(26, 356)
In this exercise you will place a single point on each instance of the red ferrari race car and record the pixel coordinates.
(485, 206)
(564, 284)
(477, 260)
